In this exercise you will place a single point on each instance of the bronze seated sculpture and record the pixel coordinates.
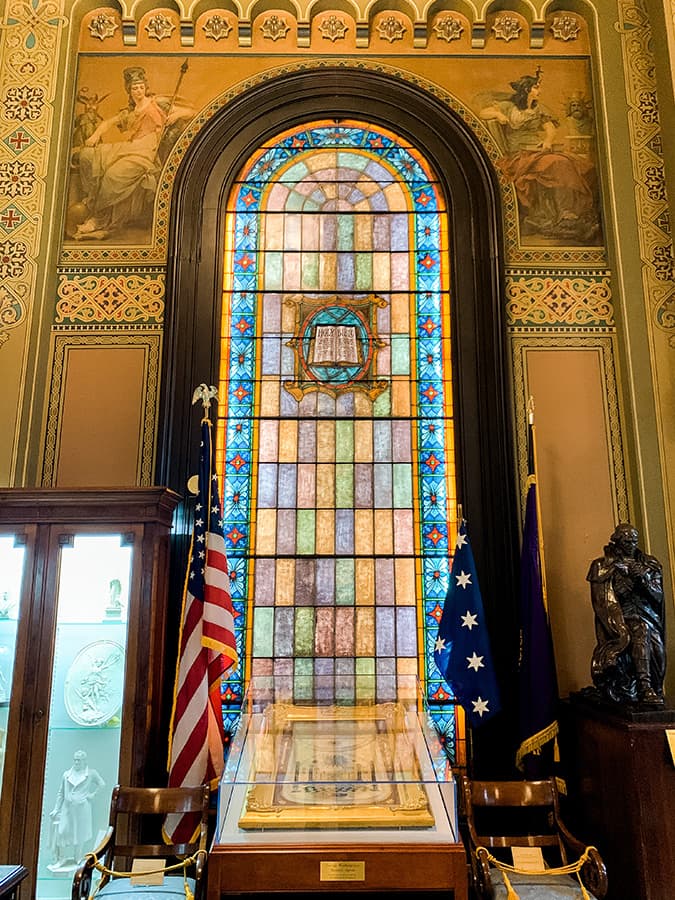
(629, 661)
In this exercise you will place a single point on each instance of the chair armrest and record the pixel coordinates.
(484, 885)
(594, 874)
(83, 874)
(200, 868)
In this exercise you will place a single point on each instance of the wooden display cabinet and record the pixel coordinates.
(83, 589)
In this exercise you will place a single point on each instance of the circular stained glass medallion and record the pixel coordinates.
(336, 345)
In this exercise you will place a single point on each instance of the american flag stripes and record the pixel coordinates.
(207, 648)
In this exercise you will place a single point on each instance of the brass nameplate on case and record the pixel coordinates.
(343, 870)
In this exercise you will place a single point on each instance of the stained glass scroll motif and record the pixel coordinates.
(336, 430)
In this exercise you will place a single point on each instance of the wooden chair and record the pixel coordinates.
(504, 814)
(136, 819)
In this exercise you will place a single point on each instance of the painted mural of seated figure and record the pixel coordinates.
(119, 178)
(556, 190)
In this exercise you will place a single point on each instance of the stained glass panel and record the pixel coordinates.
(335, 429)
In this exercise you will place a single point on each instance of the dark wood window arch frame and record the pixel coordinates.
(486, 473)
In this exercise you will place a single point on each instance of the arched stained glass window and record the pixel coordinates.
(336, 428)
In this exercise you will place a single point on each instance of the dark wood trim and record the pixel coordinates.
(486, 470)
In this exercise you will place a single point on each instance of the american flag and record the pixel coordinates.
(207, 649)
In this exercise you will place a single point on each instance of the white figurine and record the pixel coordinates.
(71, 817)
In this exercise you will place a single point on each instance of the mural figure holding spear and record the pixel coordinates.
(119, 178)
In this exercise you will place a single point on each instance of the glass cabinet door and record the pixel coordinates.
(85, 712)
(12, 556)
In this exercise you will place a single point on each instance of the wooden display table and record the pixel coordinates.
(334, 868)
(621, 785)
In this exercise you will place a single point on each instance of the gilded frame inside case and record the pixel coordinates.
(335, 767)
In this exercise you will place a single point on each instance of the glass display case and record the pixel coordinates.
(12, 555)
(336, 791)
(84, 577)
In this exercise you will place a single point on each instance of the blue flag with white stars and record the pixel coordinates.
(462, 649)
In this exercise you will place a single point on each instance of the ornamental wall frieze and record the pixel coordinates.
(425, 24)
(97, 298)
(581, 300)
(30, 40)
(655, 235)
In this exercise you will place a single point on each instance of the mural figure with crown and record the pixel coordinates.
(556, 187)
(118, 178)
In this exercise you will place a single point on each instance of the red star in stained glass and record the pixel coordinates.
(431, 393)
(298, 143)
(435, 536)
(237, 462)
(243, 325)
(245, 262)
(424, 199)
(229, 696)
(441, 694)
(235, 535)
(432, 462)
(241, 393)
(248, 199)
(375, 142)
(437, 612)
(429, 326)
(428, 262)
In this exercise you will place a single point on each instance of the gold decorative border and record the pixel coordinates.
(605, 345)
(30, 41)
(554, 298)
(90, 297)
(651, 199)
(65, 338)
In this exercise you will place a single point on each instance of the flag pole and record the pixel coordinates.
(532, 477)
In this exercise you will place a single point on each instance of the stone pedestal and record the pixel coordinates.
(621, 786)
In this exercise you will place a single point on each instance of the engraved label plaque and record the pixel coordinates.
(343, 870)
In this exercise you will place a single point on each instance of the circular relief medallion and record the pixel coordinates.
(95, 683)
(336, 345)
